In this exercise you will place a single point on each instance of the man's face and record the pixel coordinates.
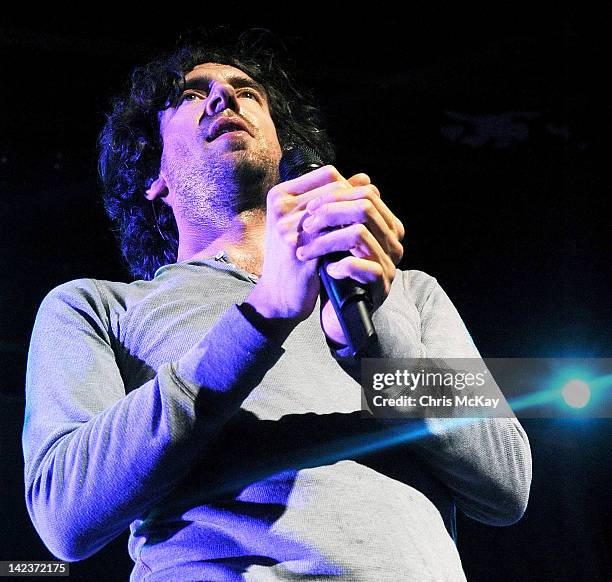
(220, 148)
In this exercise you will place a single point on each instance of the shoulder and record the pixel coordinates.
(93, 297)
(91, 291)
(74, 293)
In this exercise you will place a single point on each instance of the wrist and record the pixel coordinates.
(274, 327)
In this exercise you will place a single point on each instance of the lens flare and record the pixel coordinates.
(576, 393)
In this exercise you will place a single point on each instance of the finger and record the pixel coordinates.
(361, 270)
(360, 179)
(369, 192)
(366, 272)
(356, 239)
(326, 190)
(347, 212)
(311, 180)
(363, 179)
(282, 203)
(356, 211)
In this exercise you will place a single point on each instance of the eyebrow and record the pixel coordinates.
(236, 81)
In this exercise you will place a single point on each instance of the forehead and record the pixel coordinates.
(216, 72)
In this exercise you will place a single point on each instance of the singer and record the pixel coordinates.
(211, 405)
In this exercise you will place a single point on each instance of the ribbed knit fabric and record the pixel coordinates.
(157, 406)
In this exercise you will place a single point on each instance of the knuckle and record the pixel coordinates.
(389, 281)
(350, 265)
(399, 227)
(285, 205)
(360, 179)
(387, 287)
(313, 247)
(376, 269)
(331, 173)
(370, 191)
(343, 266)
(399, 247)
(338, 192)
(274, 193)
(271, 198)
(283, 227)
(392, 258)
(400, 252)
(335, 192)
(276, 204)
(366, 208)
(397, 257)
(360, 232)
(389, 265)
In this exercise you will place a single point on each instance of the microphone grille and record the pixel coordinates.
(298, 160)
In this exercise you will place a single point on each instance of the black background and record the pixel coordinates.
(483, 133)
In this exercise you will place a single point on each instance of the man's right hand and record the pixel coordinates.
(287, 290)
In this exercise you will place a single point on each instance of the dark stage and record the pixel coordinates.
(482, 132)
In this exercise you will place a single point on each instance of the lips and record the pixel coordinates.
(225, 125)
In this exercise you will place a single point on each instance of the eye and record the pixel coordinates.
(250, 94)
(190, 96)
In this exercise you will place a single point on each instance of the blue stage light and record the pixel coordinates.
(576, 393)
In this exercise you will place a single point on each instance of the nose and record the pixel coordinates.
(222, 96)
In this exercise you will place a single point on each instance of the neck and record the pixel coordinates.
(242, 240)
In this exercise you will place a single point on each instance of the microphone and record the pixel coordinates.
(350, 299)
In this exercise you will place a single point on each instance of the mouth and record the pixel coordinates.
(226, 125)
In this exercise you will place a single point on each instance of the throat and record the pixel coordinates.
(251, 262)
(243, 242)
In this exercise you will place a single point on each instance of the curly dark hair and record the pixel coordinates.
(130, 143)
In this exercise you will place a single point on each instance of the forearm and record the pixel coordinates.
(85, 486)
(88, 473)
(485, 463)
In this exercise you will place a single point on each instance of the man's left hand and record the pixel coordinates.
(353, 219)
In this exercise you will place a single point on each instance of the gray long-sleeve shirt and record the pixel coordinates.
(157, 406)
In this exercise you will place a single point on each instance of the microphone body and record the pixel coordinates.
(350, 299)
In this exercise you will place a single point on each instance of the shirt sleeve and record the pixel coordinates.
(485, 463)
(96, 458)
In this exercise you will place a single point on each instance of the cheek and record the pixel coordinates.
(176, 155)
(272, 140)
(180, 142)
(267, 131)
(177, 125)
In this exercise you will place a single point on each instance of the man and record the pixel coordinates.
(211, 406)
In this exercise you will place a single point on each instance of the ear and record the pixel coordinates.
(158, 188)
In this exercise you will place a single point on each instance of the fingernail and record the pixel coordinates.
(307, 222)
